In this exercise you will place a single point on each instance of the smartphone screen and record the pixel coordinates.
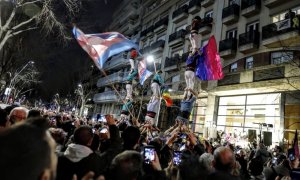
(177, 157)
(149, 154)
(274, 160)
(103, 130)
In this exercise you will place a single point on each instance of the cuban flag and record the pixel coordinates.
(143, 72)
(102, 46)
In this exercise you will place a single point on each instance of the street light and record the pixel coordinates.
(150, 59)
(13, 79)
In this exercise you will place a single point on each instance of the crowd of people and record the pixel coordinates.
(46, 145)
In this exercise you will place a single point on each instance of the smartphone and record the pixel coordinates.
(93, 130)
(149, 154)
(103, 130)
(177, 157)
(274, 160)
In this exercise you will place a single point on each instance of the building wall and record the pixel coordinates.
(242, 81)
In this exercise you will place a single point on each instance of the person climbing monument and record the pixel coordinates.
(132, 74)
(156, 84)
(186, 105)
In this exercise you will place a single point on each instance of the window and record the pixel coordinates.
(180, 27)
(238, 114)
(252, 27)
(249, 62)
(231, 34)
(163, 37)
(176, 78)
(281, 57)
(281, 16)
(233, 67)
(231, 2)
(177, 51)
(209, 14)
(182, 3)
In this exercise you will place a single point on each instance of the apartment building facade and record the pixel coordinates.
(258, 41)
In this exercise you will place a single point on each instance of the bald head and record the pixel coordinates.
(223, 159)
(18, 114)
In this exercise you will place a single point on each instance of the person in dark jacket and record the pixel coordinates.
(79, 158)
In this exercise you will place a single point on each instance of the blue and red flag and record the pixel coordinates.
(143, 72)
(102, 46)
(208, 64)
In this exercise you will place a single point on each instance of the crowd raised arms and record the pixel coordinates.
(41, 144)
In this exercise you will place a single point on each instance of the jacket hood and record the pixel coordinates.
(76, 152)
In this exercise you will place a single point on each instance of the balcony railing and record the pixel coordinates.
(233, 9)
(207, 21)
(111, 79)
(150, 29)
(178, 34)
(182, 9)
(161, 22)
(248, 3)
(176, 60)
(249, 37)
(279, 28)
(116, 61)
(108, 96)
(228, 44)
(146, 49)
(193, 3)
(157, 44)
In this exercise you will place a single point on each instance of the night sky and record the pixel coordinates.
(62, 66)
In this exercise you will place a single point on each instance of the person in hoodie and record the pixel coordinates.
(79, 158)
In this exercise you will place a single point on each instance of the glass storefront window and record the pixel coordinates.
(232, 100)
(237, 114)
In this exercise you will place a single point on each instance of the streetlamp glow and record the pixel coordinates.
(150, 59)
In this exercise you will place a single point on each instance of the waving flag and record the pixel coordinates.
(208, 65)
(143, 72)
(167, 97)
(104, 45)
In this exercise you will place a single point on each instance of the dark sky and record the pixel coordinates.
(63, 65)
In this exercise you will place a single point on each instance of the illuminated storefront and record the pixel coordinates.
(236, 115)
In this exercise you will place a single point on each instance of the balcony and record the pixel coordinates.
(174, 63)
(267, 74)
(161, 25)
(194, 6)
(150, 31)
(146, 49)
(206, 3)
(111, 79)
(231, 14)
(157, 47)
(227, 48)
(177, 37)
(131, 15)
(249, 42)
(205, 26)
(273, 3)
(280, 34)
(180, 14)
(116, 62)
(250, 7)
(105, 97)
(230, 79)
